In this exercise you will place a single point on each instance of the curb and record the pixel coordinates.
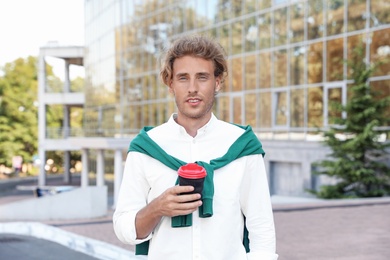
(89, 246)
(331, 203)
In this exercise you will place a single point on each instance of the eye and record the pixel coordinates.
(203, 77)
(182, 78)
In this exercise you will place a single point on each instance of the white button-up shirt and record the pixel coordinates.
(240, 187)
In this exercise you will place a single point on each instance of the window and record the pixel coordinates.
(334, 96)
(297, 107)
(265, 111)
(315, 25)
(280, 108)
(334, 60)
(315, 107)
(237, 109)
(314, 63)
(335, 17)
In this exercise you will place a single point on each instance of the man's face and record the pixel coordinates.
(194, 86)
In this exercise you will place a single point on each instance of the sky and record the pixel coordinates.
(27, 25)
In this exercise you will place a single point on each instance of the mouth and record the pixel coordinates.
(194, 100)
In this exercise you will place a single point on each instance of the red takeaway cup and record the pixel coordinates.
(192, 174)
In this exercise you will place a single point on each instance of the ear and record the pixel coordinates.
(218, 84)
(170, 89)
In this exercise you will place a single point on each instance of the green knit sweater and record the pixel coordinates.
(246, 144)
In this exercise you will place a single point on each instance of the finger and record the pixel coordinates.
(186, 208)
(185, 198)
(182, 189)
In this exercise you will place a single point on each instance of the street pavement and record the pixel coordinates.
(20, 247)
(306, 229)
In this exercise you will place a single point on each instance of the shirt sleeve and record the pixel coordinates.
(132, 197)
(256, 206)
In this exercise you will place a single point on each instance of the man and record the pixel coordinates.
(151, 210)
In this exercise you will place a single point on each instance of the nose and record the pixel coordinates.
(193, 87)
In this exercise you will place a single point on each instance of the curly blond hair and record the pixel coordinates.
(198, 46)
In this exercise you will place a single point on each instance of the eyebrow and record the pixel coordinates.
(203, 74)
(178, 75)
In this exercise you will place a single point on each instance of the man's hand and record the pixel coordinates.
(170, 204)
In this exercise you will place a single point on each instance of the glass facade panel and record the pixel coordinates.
(171, 106)
(265, 112)
(223, 103)
(281, 110)
(202, 18)
(212, 10)
(250, 6)
(295, 46)
(237, 37)
(224, 37)
(250, 72)
(297, 22)
(356, 16)
(314, 20)
(264, 4)
(264, 28)
(334, 99)
(237, 74)
(280, 27)
(315, 107)
(250, 109)
(265, 66)
(189, 15)
(314, 63)
(379, 13)
(237, 7)
(251, 35)
(297, 107)
(224, 8)
(335, 60)
(145, 114)
(335, 17)
(354, 42)
(280, 68)
(380, 51)
(237, 109)
(297, 65)
(177, 20)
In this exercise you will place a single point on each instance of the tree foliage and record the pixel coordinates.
(358, 153)
(18, 110)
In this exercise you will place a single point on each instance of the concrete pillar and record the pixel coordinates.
(67, 78)
(100, 167)
(118, 173)
(67, 175)
(42, 171)
(42, 118)
(66, 122)
(85, 168)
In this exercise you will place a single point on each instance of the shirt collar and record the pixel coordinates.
(201, 131)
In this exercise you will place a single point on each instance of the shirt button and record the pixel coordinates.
(193, 141)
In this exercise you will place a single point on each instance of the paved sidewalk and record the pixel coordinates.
(20, 247)
(306, 229)
(334, 230)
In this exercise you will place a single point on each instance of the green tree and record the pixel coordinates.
(358, 156)
(18, 110)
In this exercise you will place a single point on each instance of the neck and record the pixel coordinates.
(192, 125)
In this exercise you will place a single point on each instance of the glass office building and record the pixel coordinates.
(285, 67)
